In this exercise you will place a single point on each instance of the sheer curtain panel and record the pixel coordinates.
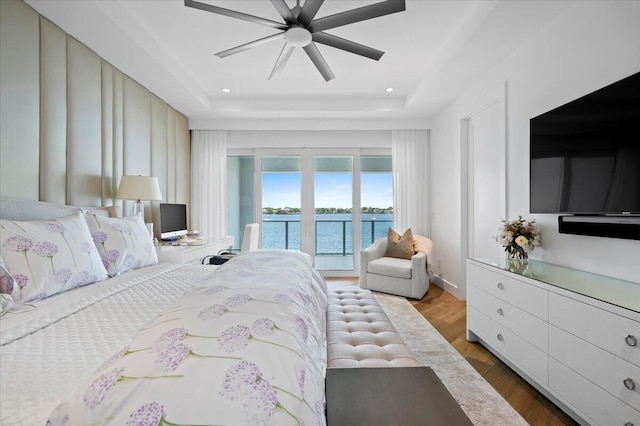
(410, 159)
(208, 183)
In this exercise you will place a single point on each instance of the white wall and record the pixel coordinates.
(280, 122)
(590, 45)
(238, 139)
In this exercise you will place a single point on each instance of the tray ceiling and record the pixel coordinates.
(432, 51)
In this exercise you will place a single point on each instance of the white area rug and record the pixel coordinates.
(478, 399)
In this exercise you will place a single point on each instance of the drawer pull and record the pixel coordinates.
(629, 384)
(502, 339)
(500, 311)
(631, 340)
(628, 424)
(500, 286)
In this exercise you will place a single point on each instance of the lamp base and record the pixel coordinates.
(138, 209)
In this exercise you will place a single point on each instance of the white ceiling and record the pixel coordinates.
(433, 50)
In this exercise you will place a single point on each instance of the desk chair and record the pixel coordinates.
(250, 241)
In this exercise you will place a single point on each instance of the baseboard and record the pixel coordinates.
(449, 287)
(437, 281)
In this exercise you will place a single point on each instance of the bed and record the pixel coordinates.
(157, 343)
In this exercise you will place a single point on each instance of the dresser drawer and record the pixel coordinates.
(530, 328)
(520, 352)
(527, 297)
(587, 399)
(600, 367)
(604, 329)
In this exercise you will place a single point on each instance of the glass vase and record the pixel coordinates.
(518, 254)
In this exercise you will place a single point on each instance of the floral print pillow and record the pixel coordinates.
(7, 283)
(46, 257)
(124, 243)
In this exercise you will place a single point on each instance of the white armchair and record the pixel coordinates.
(403, 277)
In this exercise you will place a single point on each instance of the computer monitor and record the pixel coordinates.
(173, 220)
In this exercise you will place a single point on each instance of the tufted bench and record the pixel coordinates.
(359, 334)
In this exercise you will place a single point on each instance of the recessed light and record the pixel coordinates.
(225, 90)
(389, 89)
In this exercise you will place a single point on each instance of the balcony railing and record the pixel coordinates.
(332, 237)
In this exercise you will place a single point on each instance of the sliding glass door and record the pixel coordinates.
(240, 195)
(329, 203)
(376, 195)
(281, 207)
(306, 199)
(333, 207)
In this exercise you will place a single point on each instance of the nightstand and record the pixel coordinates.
(193, 252)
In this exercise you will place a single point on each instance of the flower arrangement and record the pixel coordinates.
(518, 235)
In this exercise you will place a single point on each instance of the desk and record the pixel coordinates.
(191, 253)
(390, 396)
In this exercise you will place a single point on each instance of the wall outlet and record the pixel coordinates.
(439, 263)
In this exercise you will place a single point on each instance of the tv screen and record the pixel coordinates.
(173, 220)
(585, 155)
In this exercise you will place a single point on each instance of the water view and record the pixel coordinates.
(333, 231)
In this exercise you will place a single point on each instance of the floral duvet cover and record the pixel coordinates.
(246, 346)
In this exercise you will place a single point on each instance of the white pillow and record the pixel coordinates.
(47, 257)
(124, 243)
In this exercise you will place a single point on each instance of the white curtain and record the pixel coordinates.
(410, 159)
(208, 183)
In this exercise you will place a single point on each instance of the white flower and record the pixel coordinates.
(504, 238)
(522, 241)
(519, 233)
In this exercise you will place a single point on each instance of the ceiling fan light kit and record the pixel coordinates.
(300, 29)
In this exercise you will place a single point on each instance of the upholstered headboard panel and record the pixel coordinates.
(71, 124)
(21, 209)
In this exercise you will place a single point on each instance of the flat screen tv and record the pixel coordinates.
(585, 155)
(173, 220)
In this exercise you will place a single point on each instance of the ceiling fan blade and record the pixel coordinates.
(249, 45)
(309, 10)
(357, 15)
(284, 11)
(317, 59)
(348, 45)
(233, 14)
(287, 50)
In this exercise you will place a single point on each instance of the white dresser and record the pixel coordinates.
(573, 335)
(193, 252)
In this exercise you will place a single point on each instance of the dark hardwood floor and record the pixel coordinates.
(449, 315)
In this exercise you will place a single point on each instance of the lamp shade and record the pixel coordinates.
(139, 188)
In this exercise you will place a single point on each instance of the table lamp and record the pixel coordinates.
(139, 188)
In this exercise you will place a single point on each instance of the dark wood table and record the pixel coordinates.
(401, 396)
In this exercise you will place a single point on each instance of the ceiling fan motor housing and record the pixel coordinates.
(298, 36)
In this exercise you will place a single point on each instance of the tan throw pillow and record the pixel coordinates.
(400, 246)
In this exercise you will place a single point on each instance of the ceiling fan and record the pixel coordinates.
(302, 30)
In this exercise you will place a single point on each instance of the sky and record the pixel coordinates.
(332, 190)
